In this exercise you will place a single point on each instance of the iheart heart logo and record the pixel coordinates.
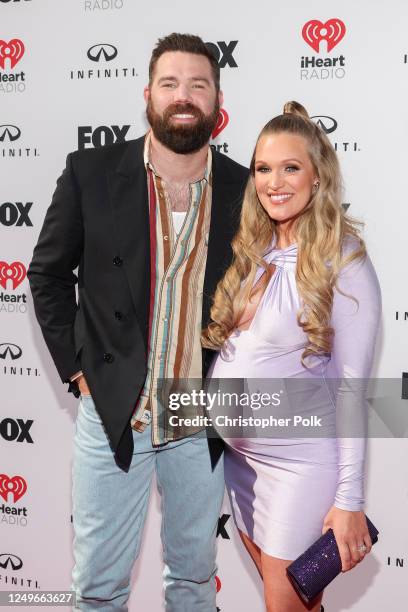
(223, 120)
(217, 584)
(16, 485)
(13, 50)
(16, 271)
(315, 31)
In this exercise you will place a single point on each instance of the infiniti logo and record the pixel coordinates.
(7, 559)
(109, 52)
(325, 123)
(104, 68)
(10, 132)
(11, 350)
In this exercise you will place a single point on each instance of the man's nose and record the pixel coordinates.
(182, 93)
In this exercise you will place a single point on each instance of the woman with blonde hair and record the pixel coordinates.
(300, 300)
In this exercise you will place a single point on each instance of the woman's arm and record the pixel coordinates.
(355, 323)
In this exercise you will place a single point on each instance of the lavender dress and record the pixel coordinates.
(281, 489)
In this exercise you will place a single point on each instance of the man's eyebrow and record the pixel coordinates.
(200, 78)
(173, 78)
(167, 78)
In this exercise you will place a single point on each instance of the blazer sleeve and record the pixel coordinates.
(51, 272)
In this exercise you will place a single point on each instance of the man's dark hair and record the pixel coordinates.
(187, 43)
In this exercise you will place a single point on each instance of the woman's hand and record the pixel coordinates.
(351, 533)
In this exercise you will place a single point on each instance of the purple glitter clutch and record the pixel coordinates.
(319, 564)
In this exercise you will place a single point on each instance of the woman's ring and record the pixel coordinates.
(362, 548)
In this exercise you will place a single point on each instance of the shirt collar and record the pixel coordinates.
(149, 165)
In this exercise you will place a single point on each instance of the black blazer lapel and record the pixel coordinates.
(130, 204)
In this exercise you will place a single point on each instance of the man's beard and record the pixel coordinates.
(182, 139)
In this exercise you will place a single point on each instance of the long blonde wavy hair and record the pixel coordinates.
(320, 232)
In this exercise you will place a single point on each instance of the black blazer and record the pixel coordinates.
(98, 222)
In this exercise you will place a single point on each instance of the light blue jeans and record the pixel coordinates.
(109, 510)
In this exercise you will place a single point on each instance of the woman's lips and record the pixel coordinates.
(280, 198)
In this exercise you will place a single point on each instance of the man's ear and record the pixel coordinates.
(220, 98)
(146, 93)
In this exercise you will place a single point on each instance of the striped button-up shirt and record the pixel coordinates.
(177, 265)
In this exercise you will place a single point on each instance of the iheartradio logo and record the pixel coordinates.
(16, 272)
(16, 486)
(223, 120)
(314, 31)
(12, 50)
(217, 584)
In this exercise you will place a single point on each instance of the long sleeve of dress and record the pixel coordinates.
(355, 323)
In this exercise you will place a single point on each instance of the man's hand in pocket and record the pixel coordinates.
(83, 386)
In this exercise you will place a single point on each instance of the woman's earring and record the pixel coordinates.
(316, 186)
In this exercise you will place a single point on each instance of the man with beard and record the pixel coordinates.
(148, 223)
